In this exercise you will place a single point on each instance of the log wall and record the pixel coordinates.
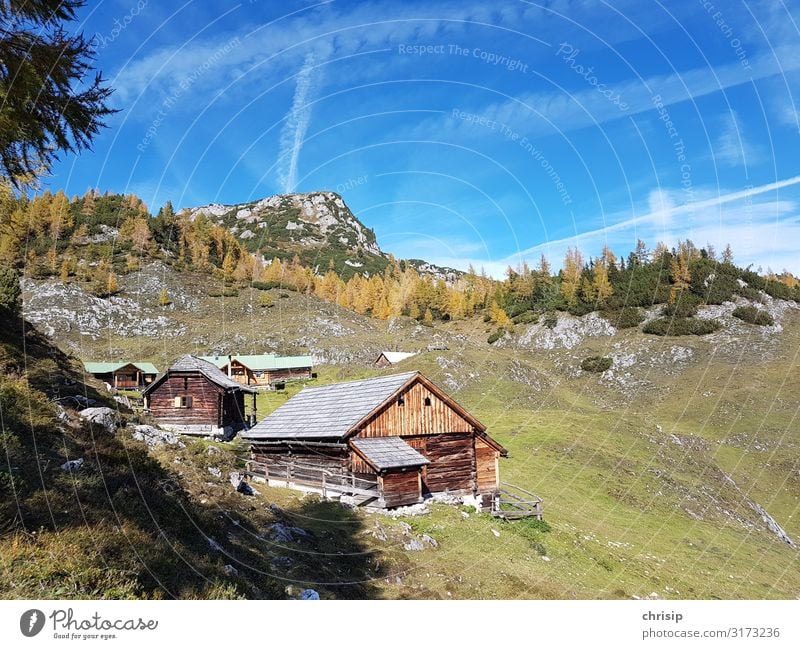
(277, 456)
(248, 377)
(486, 459)
(401, 488)
(206, 401)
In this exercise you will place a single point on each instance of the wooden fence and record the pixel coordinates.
(511, 502)
(305, 475)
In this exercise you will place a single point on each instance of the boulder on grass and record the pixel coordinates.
(104, 417)
(70, 466)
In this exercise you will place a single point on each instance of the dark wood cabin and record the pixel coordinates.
(123, 375)
(263, 370)
(195, 397)
(388, 441)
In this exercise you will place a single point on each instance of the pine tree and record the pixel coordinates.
(544, 270)
(640, 254)
(601, 286)
(727, 255)
(163, 298)
(571, 275)
(63, 274)
(112, 286)
(60, 217)
(498, 316)
(680, 276)
(228, 266)
(51, 100)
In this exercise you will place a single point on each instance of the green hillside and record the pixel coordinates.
(652, 472)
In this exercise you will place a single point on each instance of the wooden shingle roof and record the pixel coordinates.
(387, 452)
(330, 411)
(211, 372)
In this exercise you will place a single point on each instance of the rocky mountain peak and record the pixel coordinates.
(309, 220)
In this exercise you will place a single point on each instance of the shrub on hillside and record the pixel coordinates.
(496, 335)
(580, 308)
(9, 291)
(528, 317)
(596, 364)
(265, 286)
(226, 292)
(681, 327)
(753, 315)
(778, 290)
(750, 293)
(684, 306)
(714, 282)
(626, 318)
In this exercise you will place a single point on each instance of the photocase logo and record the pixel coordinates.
(31, 622)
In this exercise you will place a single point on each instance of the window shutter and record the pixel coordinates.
(177, 402)
(188, 402)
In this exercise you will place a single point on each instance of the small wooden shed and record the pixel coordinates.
(390, 441)
(195, 397)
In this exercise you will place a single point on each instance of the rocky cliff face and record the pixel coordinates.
(318, 227)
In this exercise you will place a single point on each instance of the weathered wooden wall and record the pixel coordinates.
(414, 417)
(358, 465)
(279, 457)
(452, 464)
(401, 488)
(242, 375)
(486, 458)
(206, 397)
(288, 374)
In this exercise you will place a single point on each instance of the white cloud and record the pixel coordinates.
(761, 232)
(732, 147)
(562, 110)
(296, 125)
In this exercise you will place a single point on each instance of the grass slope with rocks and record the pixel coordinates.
(663, 477)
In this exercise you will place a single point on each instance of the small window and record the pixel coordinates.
(427, 401)
(401, 401)
(183, 402)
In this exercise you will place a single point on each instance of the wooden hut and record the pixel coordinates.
(389, 441)
(385, 359)
(263, 370)
(124, 374)
(195, 397)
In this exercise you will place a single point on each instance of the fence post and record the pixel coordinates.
(324, 495)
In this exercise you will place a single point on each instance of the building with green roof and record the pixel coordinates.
(132, 375)
(263, 369)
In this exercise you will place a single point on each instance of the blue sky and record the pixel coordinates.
(465, 132)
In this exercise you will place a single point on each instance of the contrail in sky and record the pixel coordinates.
(295, 127)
